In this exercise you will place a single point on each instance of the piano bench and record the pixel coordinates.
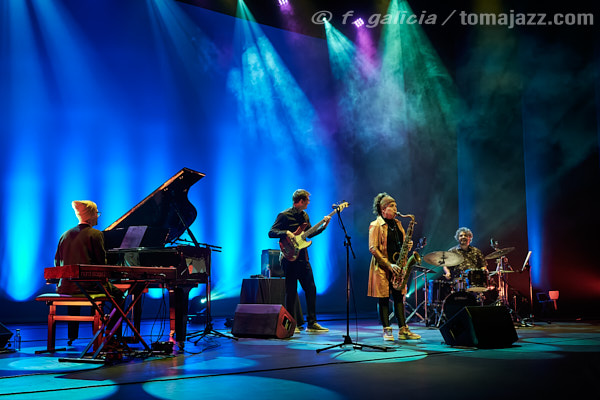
(54, 300)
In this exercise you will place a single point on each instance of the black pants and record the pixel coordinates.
(300, 271)
(384, 308)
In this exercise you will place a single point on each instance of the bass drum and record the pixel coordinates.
(457, 301)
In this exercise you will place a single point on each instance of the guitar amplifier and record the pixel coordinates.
(269, 264)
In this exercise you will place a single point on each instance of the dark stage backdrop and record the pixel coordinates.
(107, 100)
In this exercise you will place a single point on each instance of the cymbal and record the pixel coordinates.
(499, 253)
(446, 258)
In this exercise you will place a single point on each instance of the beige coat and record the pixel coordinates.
(380, 269)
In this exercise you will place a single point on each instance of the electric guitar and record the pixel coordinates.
(290, 248)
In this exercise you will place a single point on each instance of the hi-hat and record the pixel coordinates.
(446, 258)
(499, 253)
(501, 272)
(422, 268)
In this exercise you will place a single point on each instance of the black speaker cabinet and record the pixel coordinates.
(269, 263)
(263, 321)
(5, 335)
(483, 327)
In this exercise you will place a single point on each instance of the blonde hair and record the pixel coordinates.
(85, 210)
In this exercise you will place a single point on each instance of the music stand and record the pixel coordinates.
(347, 338)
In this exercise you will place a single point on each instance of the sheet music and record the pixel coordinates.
(133, 237)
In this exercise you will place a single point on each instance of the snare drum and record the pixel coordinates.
(457, 301)
(460, 284)
(476, 280)
(439, 289)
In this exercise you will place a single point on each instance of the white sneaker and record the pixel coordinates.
(388, 334)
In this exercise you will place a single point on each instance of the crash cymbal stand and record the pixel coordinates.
(502, 284)
(425, 302)
(529, 321)
(440, 309)
(503, 295)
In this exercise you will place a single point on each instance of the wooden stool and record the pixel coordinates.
(55, 299)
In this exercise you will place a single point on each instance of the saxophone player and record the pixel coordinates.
(386, 237)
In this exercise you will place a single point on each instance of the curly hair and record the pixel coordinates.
(377, 202)
(465, 230)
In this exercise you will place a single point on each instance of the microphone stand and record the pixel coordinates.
(347, 338)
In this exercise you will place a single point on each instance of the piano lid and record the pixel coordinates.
(162, 209)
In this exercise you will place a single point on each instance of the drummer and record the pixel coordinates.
(472, 257)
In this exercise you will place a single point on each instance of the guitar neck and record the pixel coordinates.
(317, 225)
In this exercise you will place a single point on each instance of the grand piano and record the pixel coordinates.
(147, 235)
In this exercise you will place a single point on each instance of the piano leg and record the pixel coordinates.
(178, 312)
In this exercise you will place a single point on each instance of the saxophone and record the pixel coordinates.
(401, 258)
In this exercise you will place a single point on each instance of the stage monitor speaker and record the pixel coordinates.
(263, 321)
(270, 266)
(5, 335)
(480, 326)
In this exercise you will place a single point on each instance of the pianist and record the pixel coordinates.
(81, 245)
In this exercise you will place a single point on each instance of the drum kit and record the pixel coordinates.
(472, 287)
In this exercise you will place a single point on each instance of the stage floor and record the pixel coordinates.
(549, 360)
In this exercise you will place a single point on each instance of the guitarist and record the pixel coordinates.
(299, 270)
